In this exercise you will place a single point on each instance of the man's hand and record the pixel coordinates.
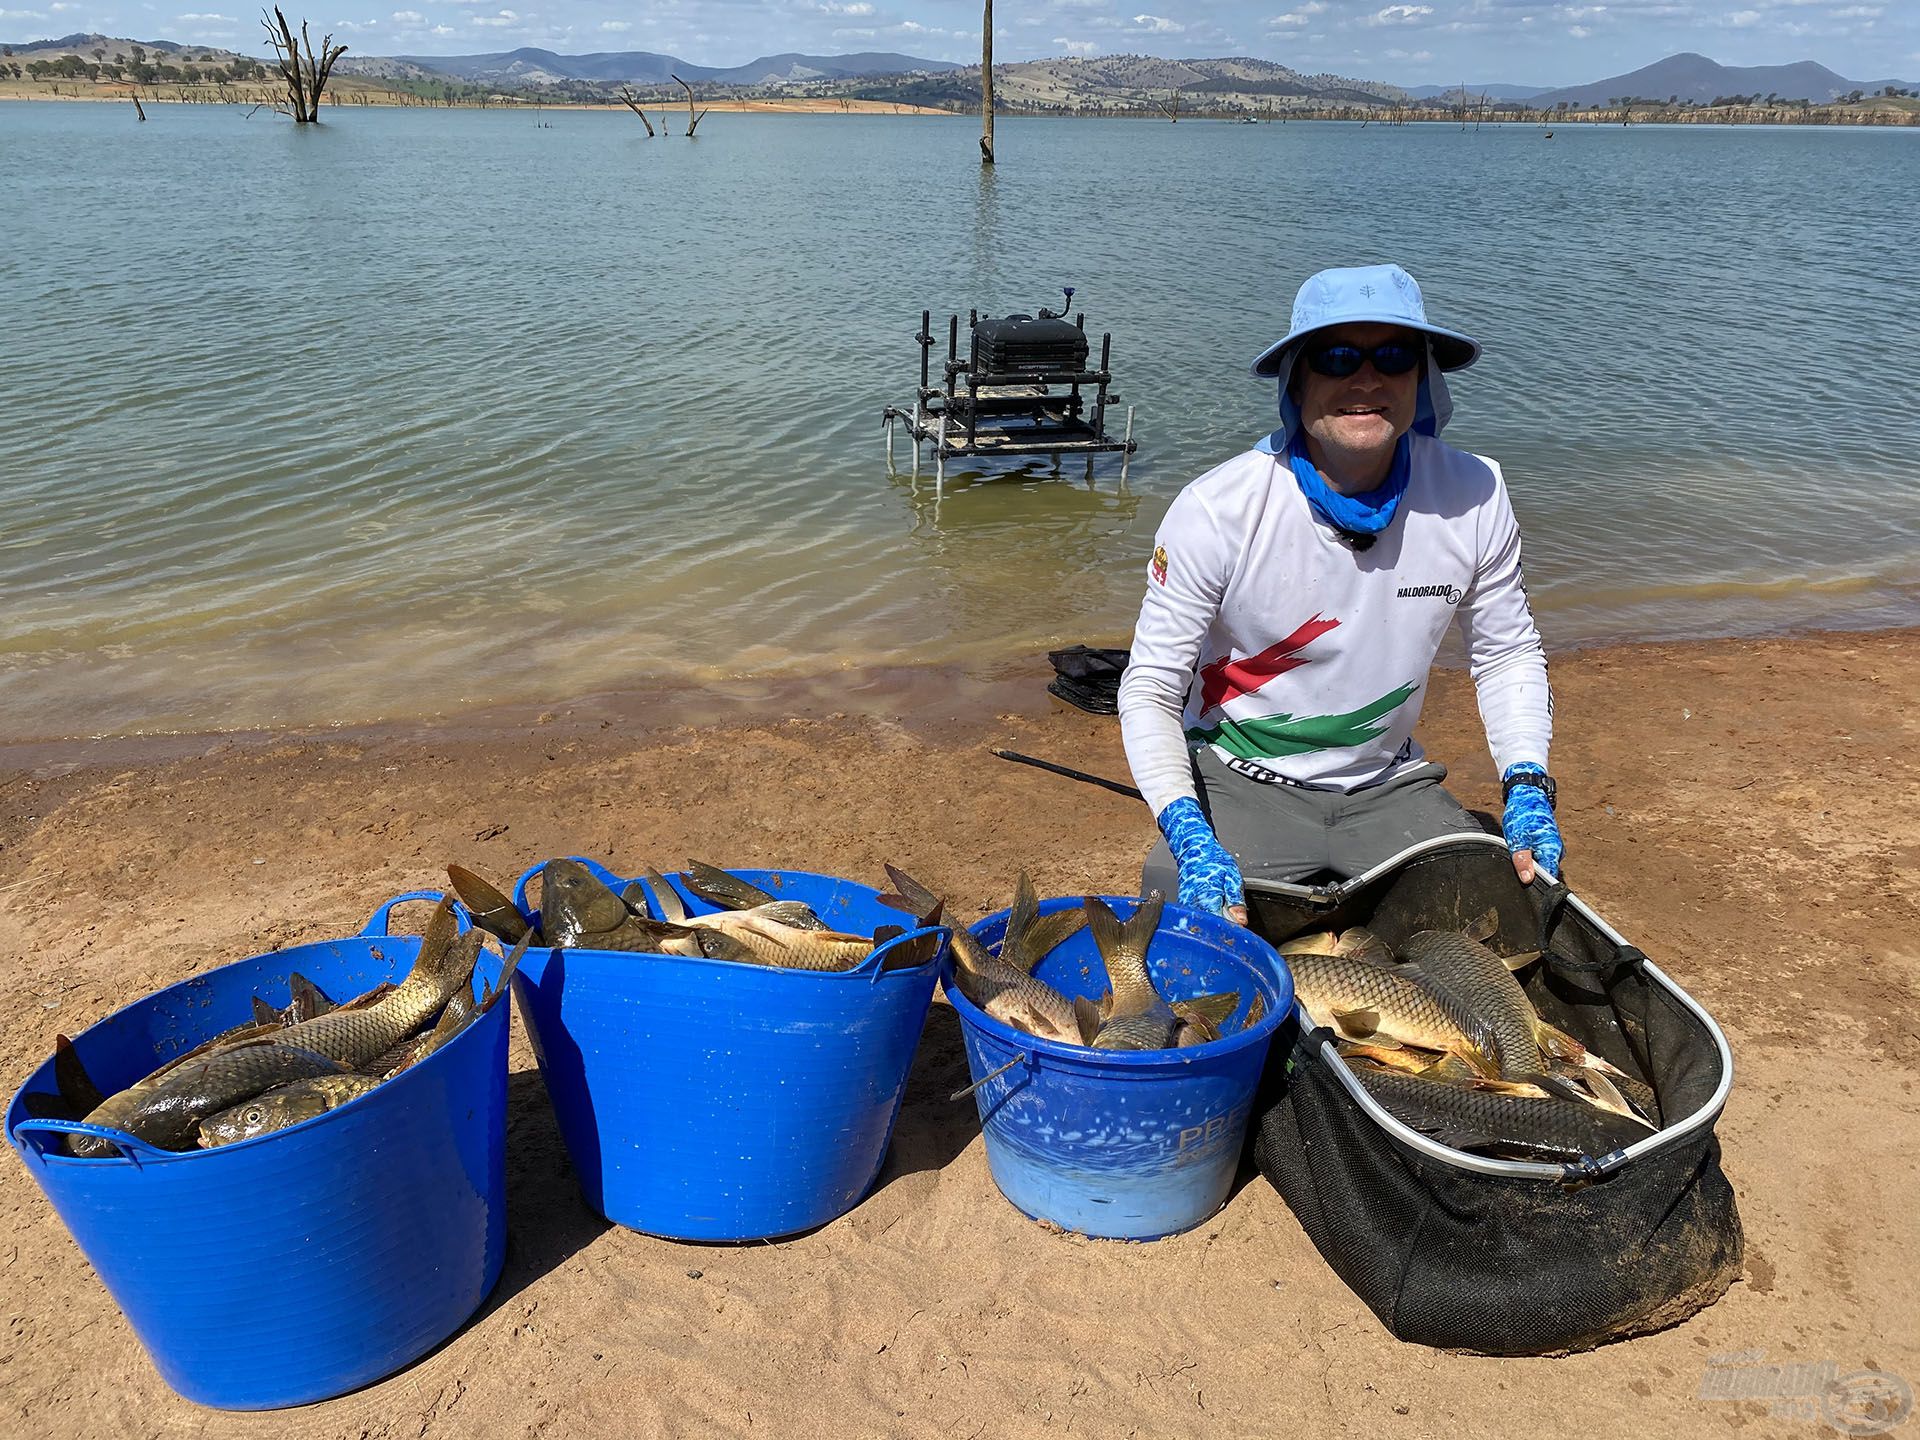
(1209, 875)
(1532, 833)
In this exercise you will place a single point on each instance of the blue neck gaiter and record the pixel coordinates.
(1366, 514)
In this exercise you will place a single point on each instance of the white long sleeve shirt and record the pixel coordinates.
(1265, 636)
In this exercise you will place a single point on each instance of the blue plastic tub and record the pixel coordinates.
(308, 1262)
(714, 1100)
(1118, 1144)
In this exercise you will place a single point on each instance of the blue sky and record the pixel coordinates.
(1410, 42)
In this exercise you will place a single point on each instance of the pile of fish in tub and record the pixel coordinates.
(286, 1065)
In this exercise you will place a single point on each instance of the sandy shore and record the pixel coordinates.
(1744, 810)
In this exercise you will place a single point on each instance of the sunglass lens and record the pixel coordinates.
(1395, 358)
(1337, 361)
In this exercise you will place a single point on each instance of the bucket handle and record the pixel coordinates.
(131, 1146)
(875, 963)
(1019, 1059)
(377, 925)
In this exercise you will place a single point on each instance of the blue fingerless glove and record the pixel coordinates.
(1209, 875)
(1529, 823)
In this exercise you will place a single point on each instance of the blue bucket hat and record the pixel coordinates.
(1361, 295)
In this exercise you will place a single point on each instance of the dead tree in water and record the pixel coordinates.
(1172, 112)
(986, 86)
(137, 107)
(634, 105)
(306, 77)
(692, 119)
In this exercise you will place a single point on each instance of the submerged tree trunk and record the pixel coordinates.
(986, 86)
(305, 77)
(634, 105)
(692, 119)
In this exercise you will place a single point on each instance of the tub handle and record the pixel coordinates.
(1019, 1059)
(377, 925)
(875, 964)
(131, 1146)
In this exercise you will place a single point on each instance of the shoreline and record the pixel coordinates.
(958, 691)
(1828, 117)
(1740, 809)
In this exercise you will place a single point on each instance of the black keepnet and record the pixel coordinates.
(1507, 1265)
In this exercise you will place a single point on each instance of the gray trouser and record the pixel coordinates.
(1282, 832)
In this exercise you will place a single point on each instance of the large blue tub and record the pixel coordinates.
(1125, 1145)
(311, 1261)
(714, 1100)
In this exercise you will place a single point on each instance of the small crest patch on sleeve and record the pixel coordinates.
(1159, 565)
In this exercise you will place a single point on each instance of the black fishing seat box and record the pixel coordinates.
(1020, 344)
(1466, 1252)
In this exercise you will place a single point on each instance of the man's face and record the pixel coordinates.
(1365, 413)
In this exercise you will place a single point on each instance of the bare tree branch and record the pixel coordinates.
(692, 119)
(304, 76)
(634, 105)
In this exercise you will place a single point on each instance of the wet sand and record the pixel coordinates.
(1744, 810)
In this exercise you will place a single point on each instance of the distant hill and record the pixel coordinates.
(1133, 84)
(1450, 94)
(1696, 78)
(643, 67)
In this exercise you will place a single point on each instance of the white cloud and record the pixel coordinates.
(1156, 25)
(1859, 12)
(1740, 19)
(356, 24)
(195, 18)
(409, 17)
(857, 9)
(504, 18)
(1075, 47)
(1579, 32)
(443, 30)
(1399, 15)
(1409, 54)
(21, 15)
(615, 27)
(61, 7)
(1284, 22)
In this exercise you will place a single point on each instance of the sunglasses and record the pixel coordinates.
(1395, 357)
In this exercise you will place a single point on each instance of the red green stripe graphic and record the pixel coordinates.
(1226, 680)
(1271, 736)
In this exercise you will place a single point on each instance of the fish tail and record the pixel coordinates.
(913, 897)
(490, 909)
(719, 887)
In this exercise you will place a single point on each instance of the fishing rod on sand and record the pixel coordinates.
(1069, 772)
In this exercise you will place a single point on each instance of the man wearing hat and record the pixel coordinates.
(1296, 599)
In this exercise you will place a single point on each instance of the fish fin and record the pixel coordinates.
(436, 941)
(1483, 927)
(672, 907)
(794, 914)
(1362, 1025)
(1020, 920)
(264, 1014)
(70, 1076)
(719, 887)
(1087, 1015)
(1360, 943)
(1256, 1012)
(1106, 1005)
(491, 910)
(41, 1106)
(306, 999)
(1214, 1009)
(1561, 1046)
(913, 897)
(1133, 941)
(1452, 1067)
(492, 992)
(884, 933)
(1522, 960)
(1049, 932)
(913, 953)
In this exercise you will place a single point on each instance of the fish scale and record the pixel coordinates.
(1408, 1010)
(1465, 1117)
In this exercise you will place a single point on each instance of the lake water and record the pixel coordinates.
(424, 408)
